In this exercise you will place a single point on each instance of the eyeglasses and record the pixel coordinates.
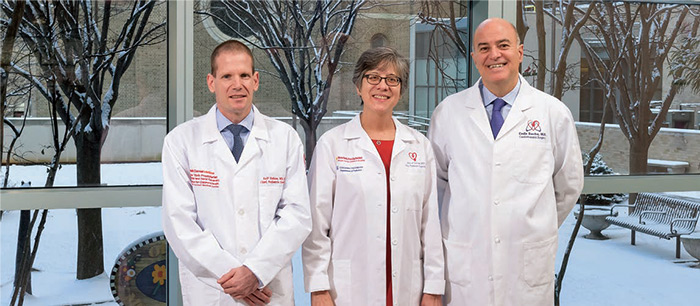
(391, 80)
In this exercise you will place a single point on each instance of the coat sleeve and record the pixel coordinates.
(316, 251)
(196, 248)
(431, 237)
(568, 166)
(436, 136)
(292, 222)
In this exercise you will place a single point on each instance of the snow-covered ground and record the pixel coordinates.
(613, 272)
(608, 272)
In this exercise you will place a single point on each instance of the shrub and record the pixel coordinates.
(599, 167)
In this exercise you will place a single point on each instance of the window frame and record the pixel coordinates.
(180, 109)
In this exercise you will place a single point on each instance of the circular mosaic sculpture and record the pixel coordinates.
(139, 273)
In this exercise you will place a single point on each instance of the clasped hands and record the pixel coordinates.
(241, 284)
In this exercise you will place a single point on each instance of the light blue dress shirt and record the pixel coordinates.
(222, 122)
(487, 97)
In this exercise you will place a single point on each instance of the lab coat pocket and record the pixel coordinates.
(412, 193)
(538, 262)
(341, 282)
(416, 283)
(536, 166)
(269, 200)
(457, 265)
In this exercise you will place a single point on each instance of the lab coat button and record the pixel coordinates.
(394, 273)
(241, 212)
(490, 278)
(498, 240)
(394, 209)
(393, 178)
(496, 202)
(395, 242)
(498, 163)
(243, 251)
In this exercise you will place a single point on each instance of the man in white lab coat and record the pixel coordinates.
(509, 172)
(235, 197)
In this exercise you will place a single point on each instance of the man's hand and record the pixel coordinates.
(431, 300)
(239, 282)
(258, 297)
(321, 298)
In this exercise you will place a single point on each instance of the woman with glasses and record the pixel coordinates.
(376, 235)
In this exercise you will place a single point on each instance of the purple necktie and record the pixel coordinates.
(496, 117)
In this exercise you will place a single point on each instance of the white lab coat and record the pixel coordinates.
(502, 201)
(346, 250)
(218, 215)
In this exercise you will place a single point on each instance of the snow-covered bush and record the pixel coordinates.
(599, 167)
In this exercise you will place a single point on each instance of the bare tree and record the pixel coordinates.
(637, 39)
(444, 15)
(686, 59)
(304, 41)
(28, 238)
(80, 46)
(447, 42)
(11, 27)
(569, 23)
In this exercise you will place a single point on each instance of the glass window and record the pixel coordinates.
(635, 81)
(84, 105)
(389, 24)
(81, 96)
(53, 279)
(440, 66)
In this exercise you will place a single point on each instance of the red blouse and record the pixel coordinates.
(384, 148)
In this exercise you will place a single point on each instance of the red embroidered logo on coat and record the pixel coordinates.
(204, 178)
(533, 125)
(412, 155)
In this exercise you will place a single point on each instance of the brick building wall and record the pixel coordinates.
(669, 144)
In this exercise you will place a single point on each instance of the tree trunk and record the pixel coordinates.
(310, 141)
(639, 152)
(23, 251)
(90, 251)
(541, 45)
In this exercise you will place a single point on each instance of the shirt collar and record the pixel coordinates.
(222, 122)
(487, 96)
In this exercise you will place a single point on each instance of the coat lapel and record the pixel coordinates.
(403, 136)
(476, 110)
(516, 116)
(211, 136)
(258, 137)
(355, 132)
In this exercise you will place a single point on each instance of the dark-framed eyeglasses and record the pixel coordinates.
(374, 79)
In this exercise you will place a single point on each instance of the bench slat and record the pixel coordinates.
(659, 224)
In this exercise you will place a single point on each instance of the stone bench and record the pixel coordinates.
(658, 215)
(667, 166)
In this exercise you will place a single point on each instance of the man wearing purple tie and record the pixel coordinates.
(509, 172)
